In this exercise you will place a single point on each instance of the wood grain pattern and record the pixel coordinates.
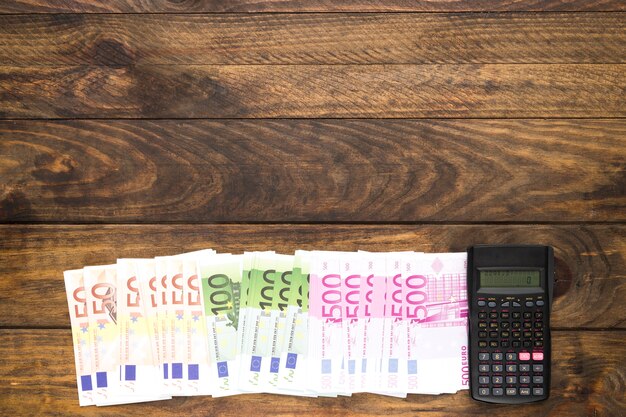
(331, 91)
(590, 286)
(118, 40)
(216, 6)
(313, 170)
(588, 378)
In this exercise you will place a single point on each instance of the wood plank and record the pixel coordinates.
(352, 170)
(118, 40)
(588, 377)
(590, 286)
(330, 91)
(217, 6)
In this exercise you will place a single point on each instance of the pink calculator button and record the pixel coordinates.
(524, 356)
(537, 356)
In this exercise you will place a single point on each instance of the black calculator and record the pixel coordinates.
(509, 294)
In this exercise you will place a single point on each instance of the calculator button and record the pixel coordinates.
(538, 324)
(516, 304)
(540, 303)
(528, 333)
(482, 334)
(482, 315)
(504, 343)
(511, 380)
(516, 334)
(496, 356)
(482, 303)
(483, 391)
(511, 369)
(511, 356)
(504, 334)
(528, 325)
(505, 304)
(482, 343)
(497, 391)
(493, 335)
(524, 379)
(538, 334)
(517, 343)
(491, 304)
(527, 314)
(537, 356)
(496, 380)
(516, 314)
(483, 356)
(538, 315)
(524, 356)
(538, 379)
(493, 324)
(526, 343)
(504, 315)
(483, 379)
(493, 343)
(516, 324)
(483, 368)
(524, 368)
(496, 368)
(538, 343)
(537, 368)
(511, 391)
(524, 391)
(537, 391)
(493, 315)
(504, 324)
(482, 324)
(529, 304)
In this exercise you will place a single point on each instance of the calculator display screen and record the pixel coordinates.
(510, 278)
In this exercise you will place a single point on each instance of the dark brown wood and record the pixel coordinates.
(216, 6)
(332, 91)
(588, 375)
(118, 40)
(313, 170)
(590, 260)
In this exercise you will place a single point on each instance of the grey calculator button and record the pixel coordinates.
(515, 304)
(511, 356)
(524, 379)
(497, 391)
(524, 368)
(496, 356)
(511, 380)
(537, 368)
(511, 368)
(529, 304)
(511, 391)
(483, 368)
(505, 304)
(496, 368)
(481, 303)
(483, 379)
(483, 356)
(491, 304)
(524, 391)
(496, 379)
(540, 303)
(483, 391)
(538, 379)
(537, 391)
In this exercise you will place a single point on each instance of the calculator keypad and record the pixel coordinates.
(510, 354)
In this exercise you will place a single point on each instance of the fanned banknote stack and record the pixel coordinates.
(316, 323)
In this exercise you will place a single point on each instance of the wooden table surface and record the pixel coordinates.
(142, 128)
